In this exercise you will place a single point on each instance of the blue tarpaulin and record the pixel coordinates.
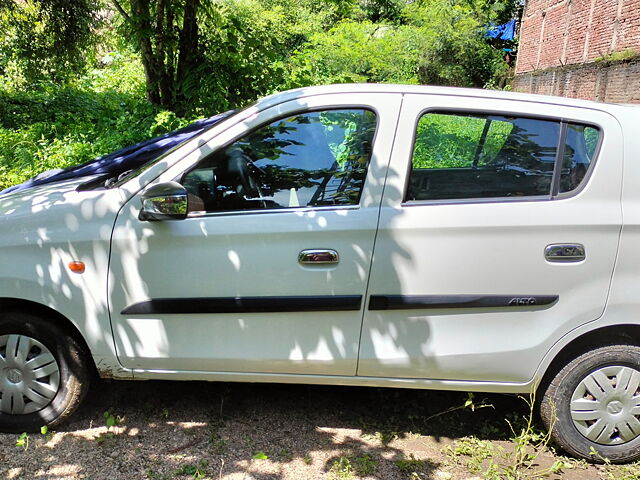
(125, 159)
(506, 31)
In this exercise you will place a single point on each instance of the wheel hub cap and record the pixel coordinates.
(14, 375)
(615, 407)
(29, 375)
(605, 406)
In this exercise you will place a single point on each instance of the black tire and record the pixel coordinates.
(555, 405)
(72, 362)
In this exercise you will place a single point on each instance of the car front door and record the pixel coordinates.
(268, 272)
(498, 235)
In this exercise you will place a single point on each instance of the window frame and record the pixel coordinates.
(302, 208)
(560, 149)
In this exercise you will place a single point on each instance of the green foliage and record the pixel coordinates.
(345, 467)
(23, 441)
(410, 465)
(111, 420)
(449, 141)
(56, 127)
(518, 462)
(341, 469)
(457, 53)
(437, 42)
(246, 45)
(624, 55)
(195, 471)
(46, 40)
(364, 465)
(358, 52)
(62, 104)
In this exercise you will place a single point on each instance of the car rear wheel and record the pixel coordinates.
(592, 406)
(43, 373)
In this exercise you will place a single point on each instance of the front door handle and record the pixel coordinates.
(318, 256)
(564, 252)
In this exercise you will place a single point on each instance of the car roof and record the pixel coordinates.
(432, 90)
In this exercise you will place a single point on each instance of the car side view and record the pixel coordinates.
(381, 235)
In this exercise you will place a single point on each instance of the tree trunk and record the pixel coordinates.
(162, 59)
(144, 30)
(187, 55)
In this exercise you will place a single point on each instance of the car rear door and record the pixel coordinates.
(487, 252)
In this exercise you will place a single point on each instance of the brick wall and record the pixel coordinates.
(617, 82)
(564, 32)
(560, 39)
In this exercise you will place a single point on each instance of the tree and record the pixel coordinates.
(437, 42)
(46, 39)
(166, 35)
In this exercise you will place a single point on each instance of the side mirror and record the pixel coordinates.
(164, 201)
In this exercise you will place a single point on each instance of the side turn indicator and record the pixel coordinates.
(76, 267)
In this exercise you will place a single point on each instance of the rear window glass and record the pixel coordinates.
(472, 156)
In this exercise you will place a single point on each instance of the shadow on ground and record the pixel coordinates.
(255, 431)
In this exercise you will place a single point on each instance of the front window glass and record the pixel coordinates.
(309, 159)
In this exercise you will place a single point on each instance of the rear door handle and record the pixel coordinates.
(318, 256)
(564, 252)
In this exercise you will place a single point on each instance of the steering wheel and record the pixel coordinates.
(240, 166)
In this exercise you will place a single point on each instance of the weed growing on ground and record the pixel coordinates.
(364, 465)
(623, 472)
(23, 441)
(384, 437)
(112, 422)
(345, 467)
(617, 472)
(196, 471)
(341, 469)
(285, 454)
(518, 463)
(474, 450)
(260, 456)
(217, 443)
(410, 465)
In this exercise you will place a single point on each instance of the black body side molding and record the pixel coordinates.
(419, 302)
(315, 303)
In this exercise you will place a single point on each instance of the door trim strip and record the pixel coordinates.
(420, 302)
(313, 303)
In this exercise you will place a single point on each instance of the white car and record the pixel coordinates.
(396, 236)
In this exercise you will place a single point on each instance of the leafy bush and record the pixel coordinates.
(56, 127)
(358, 52)
(437, 42)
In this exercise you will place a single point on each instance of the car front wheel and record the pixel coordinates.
(43, 373)
(592, 406)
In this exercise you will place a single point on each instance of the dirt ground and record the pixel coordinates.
(193, 430)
